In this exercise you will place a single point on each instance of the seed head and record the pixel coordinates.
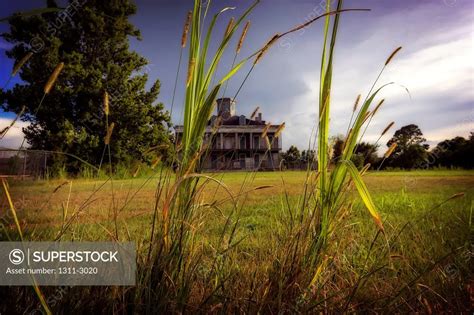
(269, 145)
(242, 37)
(52, 79)
(265, 48)
(356, 104)
(106, 103)
(184, 38)
(155, 162)
(367, 115)
(229, 27)
(254, 113)
(265, 130)
(390, 150)
(110, 130)
(378, 106)
(279, 130)
(390, 125)
(21, 63)
(137, 169)
(365, 169)
(393, 55)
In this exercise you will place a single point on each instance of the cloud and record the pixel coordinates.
(5, 45)
(435, 65)
(14, 137)
(462, 129)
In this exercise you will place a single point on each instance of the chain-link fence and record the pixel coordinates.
(23, 163)
(298, 165)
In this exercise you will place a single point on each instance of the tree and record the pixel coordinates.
(456, 152)
(337, 148)
(309, 157)
(411, 151)
(92, 39)
(365, 153)
(469, 152)
(291, 156)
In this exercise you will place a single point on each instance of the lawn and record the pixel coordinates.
(400, 196)
(423, 257)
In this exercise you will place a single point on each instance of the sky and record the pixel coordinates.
(435, 65)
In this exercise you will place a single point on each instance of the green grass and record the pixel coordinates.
(388, 188)
(266, 242)
(430, 172)
(425, 252)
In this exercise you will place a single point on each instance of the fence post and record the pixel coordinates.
(24, 164)
(45, 164)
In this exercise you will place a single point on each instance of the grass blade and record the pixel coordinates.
(364, 193)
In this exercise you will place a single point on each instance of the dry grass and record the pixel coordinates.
(267, 242)
(41, 202)
(402, 197)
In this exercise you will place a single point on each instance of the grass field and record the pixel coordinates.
(246, 243)
(421, 262)
(41, 204)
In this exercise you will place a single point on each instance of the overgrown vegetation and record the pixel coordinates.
(440, 258)
(91, 41)
(318, 242)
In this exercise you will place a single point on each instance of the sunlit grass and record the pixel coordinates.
(264, 242)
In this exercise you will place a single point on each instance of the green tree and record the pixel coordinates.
(292, 155)
(365, 153)
(456, 152)
(411, 151)
(309, 157)
(92, 39)
(337, 147)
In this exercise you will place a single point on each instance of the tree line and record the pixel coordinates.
(409, 151)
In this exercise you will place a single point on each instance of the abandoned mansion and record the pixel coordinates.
(238, 142)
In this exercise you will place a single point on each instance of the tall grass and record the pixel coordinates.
(36, 288)
(321, 210)
(296, 270)
(331, 185)
(173, 250)
(172, 256)
(172, 260)
(200, 96)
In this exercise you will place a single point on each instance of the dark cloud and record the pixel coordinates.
(435, 35)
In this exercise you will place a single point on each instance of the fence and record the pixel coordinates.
(299, 165)
(22, 163)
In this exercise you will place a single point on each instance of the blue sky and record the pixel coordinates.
(435, 63)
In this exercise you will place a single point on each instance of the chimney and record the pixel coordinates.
(259, 118)
(225, 107)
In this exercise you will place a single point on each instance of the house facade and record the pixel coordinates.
(235, 142)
